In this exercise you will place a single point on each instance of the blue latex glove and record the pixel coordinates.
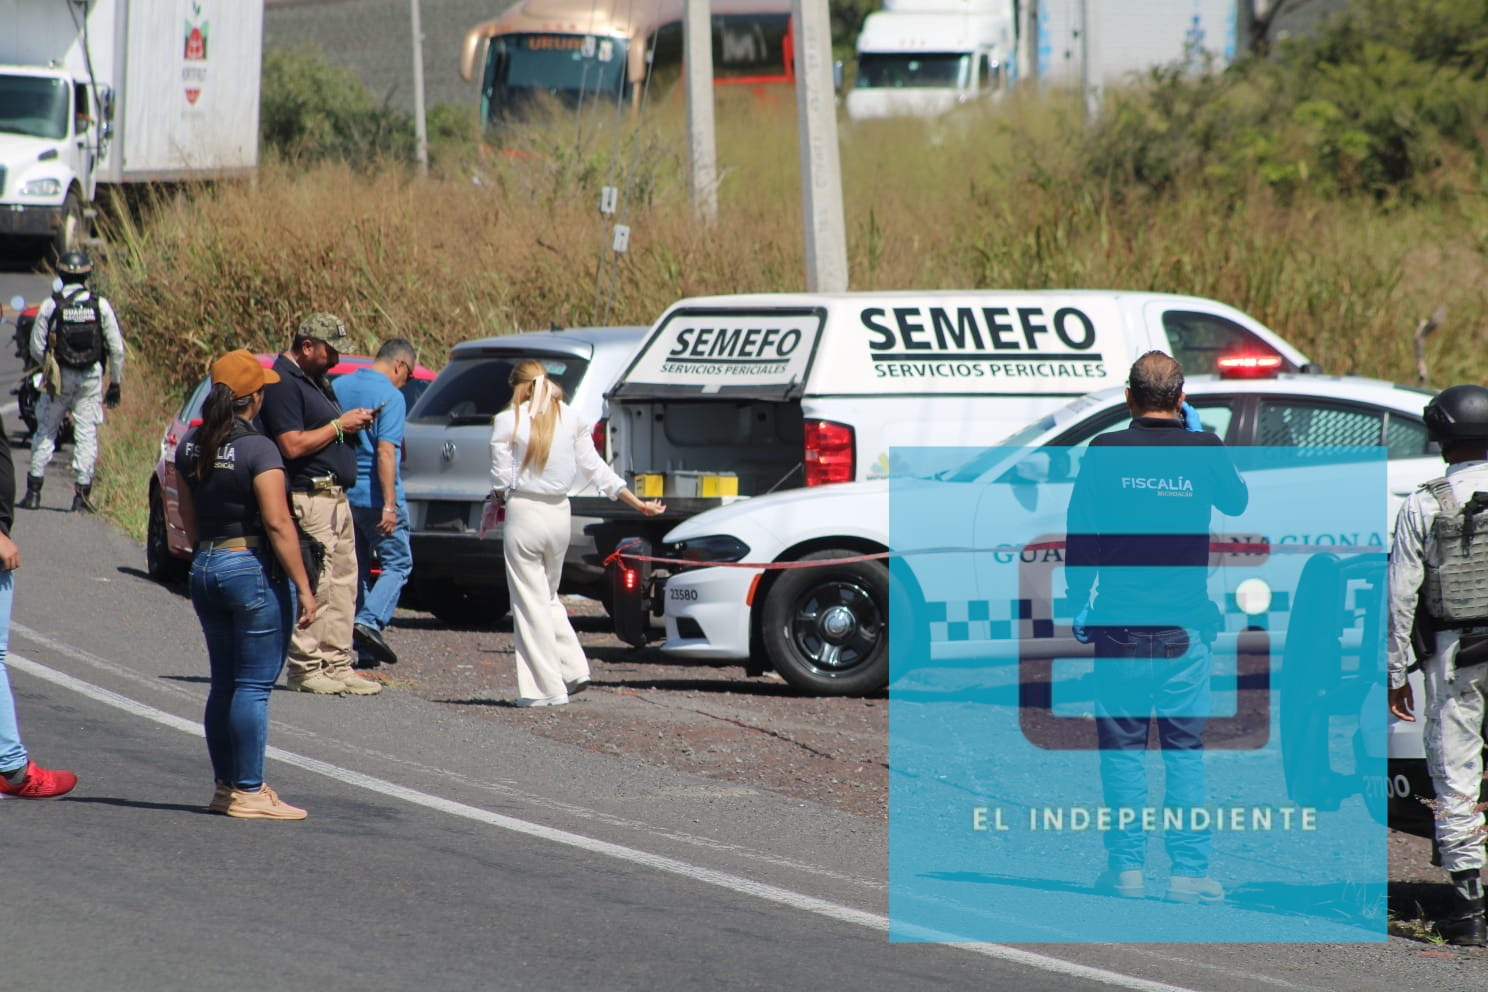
(1191, 417)
(1080, 625)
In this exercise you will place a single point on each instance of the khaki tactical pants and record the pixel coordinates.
(326, 643)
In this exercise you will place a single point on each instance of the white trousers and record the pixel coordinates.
(534, 541)
(1454, 735)
(80, 391)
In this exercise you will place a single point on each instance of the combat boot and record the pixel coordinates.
(32, 499)
(80, 498)
(1467, 926)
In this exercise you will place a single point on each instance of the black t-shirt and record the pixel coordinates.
(1139, 520)
(226, 504)
(297, 403)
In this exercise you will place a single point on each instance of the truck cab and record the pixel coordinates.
(928, 60)
(51, 140)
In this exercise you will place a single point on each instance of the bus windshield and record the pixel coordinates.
(520, 68)
(927, 70)
(34, 106)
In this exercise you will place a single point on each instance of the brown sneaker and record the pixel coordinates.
(321, 683)
(221, 798)
(353, 682)
(264, 804)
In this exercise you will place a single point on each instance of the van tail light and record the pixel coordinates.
(600, 436)
(628, 581)
(829, 452)
(1262, 366)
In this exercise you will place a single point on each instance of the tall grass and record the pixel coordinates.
(509, 237)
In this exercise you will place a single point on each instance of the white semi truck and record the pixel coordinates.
(98, 92)
(922, 58)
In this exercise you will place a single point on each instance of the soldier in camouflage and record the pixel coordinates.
(74, 332)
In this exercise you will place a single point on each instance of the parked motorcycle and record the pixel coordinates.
(28, 391)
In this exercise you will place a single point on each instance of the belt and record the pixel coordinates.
(320, 484)
(228, 544)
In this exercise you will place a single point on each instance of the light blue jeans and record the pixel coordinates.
(247, 618)
(375, 605)
(12, 752)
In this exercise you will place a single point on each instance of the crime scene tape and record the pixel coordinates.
(1220, 547)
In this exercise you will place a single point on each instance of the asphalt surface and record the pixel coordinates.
(448, 851)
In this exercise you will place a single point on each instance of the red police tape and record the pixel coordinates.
(1261, 548)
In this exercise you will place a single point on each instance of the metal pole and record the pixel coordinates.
(420, 128)
(1090, 69)
(1028, 42)
(821, 168)
(702, 158)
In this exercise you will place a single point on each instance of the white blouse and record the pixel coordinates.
(571, 458)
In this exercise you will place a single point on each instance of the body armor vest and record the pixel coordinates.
(77, 329)
(1457, 566)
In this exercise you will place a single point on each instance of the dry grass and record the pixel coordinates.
(506, 239)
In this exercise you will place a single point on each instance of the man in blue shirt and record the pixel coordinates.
(377, 505)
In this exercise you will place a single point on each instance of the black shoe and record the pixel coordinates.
(1464, 931)
(32, 499)
(370, 641)
(82, 499)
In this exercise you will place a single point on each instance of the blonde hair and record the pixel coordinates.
(540, 396)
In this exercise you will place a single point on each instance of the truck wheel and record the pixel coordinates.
(464, 606)
(160, 564)
(74, 229)
(826, 629)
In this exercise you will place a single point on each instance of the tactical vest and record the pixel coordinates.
(77, 331)
(1457, 567)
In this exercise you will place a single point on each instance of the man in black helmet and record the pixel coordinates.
(1439, 567)
(76, 330)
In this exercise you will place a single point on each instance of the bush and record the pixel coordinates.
(309, 111)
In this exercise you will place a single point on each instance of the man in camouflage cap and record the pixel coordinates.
(318, 440)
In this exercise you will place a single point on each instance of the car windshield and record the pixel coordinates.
(473, 387)
(927, 70)
(34, 106)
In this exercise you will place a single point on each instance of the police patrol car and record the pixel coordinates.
(826, 629)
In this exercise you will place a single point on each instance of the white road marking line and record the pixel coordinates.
(697, 873)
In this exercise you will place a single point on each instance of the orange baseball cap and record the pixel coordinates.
(242, 372)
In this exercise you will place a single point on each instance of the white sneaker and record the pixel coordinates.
(1122, 884)
(526, 701)
(1205, 891)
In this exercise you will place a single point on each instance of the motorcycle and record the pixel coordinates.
(28, 391)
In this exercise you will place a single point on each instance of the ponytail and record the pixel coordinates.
(218, 414)
(540, 396)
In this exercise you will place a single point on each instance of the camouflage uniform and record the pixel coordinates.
(79, 391)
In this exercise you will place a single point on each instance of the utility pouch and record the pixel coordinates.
(1472, 649)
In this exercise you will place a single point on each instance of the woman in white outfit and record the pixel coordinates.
(539, 449)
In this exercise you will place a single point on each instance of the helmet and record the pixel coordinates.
(75, 263)
(1458, 413)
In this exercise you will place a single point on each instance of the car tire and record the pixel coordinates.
(826, 629)
(464, 606)
(160, 564)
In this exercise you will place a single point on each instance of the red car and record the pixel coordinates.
(167, 555)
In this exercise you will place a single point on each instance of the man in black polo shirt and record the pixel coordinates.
(301, 414)
(1138, 524)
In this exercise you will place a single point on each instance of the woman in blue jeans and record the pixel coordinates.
(235, 507)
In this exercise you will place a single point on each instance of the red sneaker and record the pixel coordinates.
(40, 783)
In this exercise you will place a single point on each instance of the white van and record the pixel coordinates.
(736, 396)
(787, 390)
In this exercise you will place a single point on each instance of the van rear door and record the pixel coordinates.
(715, 393)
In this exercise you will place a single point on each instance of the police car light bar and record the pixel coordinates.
(1249, 366)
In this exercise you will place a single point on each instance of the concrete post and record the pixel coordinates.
(821, 167)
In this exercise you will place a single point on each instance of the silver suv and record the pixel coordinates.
(447, 473)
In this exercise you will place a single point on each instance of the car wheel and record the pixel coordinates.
(161, 565)
(826, 629)
(464, 606)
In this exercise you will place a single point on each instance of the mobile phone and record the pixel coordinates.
(378, 408)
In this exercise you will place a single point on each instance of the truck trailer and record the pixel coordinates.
(100, 92)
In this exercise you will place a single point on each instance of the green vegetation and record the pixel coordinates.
(1332, 191)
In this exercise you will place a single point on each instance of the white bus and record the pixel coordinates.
(579, 52)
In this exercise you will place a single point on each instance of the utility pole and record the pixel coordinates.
(1028, 42)
(821, 167)
(702, 150)
(420, 126)
(1091, 81)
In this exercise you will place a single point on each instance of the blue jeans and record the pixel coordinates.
(375, 605)
(1140, 671)
(12, 751)
(247, 619)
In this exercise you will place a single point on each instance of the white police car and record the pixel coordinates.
(825, 629)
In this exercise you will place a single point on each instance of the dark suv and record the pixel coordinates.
(457, 576)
